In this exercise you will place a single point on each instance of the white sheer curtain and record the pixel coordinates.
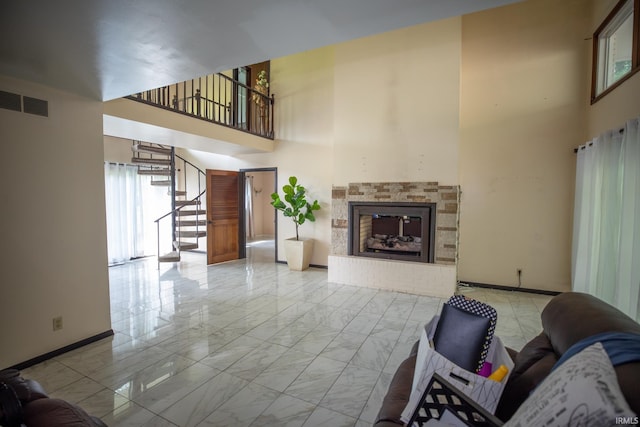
(606, 228)
(125, 228)
(132, 205)
(248, 201)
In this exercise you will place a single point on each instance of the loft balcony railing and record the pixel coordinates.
(218, 99)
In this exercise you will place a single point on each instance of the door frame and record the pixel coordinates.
(236, 92)
(243, 210)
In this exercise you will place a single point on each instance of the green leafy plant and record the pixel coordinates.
(295, 204)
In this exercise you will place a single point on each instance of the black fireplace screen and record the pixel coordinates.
(402, 231)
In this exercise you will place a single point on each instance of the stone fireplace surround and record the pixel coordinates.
(436, 279)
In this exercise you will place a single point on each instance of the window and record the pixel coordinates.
(616, 48)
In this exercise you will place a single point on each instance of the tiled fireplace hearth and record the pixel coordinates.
(437, 278)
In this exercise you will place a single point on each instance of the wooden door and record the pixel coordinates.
(223, 215)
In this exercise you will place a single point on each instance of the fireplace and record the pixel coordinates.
(424, 211)
(392, 230)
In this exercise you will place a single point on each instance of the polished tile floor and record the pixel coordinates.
(249, 342)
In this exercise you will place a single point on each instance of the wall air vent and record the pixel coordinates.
(36, 106)
(10, 101)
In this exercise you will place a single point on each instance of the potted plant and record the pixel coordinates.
(295, 205)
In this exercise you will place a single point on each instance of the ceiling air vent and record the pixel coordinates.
(10, 101)
(36, 106)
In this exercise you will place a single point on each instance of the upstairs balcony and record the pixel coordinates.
(218, 99)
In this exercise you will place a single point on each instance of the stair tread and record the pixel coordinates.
(159, 172)
(161, 183)
(149, 149)
(191, 212)
(191, 223)
(191, 233)
(147, 161)
(185, 245)
(187, 202)
(173, 256)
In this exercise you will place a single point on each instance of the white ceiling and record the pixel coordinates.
(106, 49)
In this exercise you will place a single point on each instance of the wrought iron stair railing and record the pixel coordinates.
(216, 98)
(187, 218)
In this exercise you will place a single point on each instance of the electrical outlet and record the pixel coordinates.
(57, 323)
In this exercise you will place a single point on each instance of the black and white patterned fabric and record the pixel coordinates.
(480, 309)
(440, 396)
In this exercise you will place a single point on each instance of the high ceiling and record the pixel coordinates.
(106, 49)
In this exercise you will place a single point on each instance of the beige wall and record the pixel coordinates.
(54, 261)
(611, 112)
(523, 90)
(117, 150)
(396, 103)
(264, 213)
(303, 85)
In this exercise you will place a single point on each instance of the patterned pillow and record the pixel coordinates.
(583, 391)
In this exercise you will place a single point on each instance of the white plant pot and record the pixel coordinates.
(298, 253)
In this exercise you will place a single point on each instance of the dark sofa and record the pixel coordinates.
(567, 319)
(24, 402)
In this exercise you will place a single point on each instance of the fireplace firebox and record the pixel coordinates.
(390, 230)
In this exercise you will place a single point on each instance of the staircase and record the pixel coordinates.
(187, 215)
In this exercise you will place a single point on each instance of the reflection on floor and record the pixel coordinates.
(249, 342)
